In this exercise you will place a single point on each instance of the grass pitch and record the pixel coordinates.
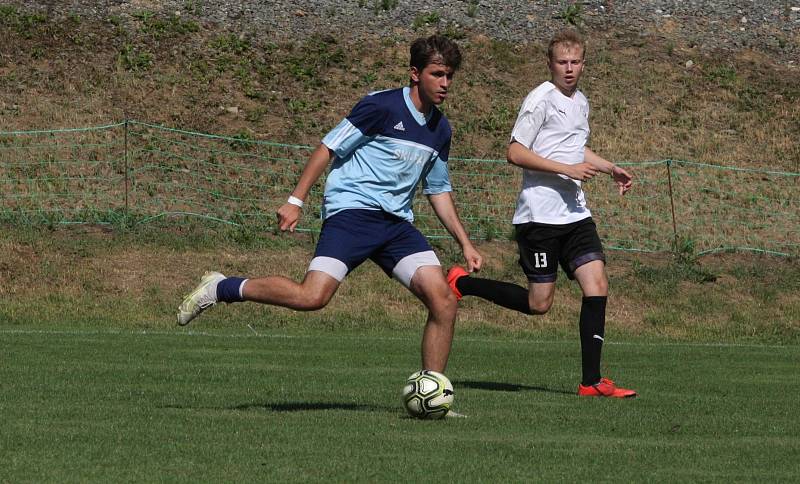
(289, 406)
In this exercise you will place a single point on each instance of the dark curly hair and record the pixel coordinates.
(435, 49)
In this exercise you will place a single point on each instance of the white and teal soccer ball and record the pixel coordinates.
(427, 395)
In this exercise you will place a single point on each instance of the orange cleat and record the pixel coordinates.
(605, 388)
(453, 275)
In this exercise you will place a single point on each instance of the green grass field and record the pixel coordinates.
(98, 385)
(245, 405)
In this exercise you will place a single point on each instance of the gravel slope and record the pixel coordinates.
(769, 26)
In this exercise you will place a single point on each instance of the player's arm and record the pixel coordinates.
(351, 132)
(622, 178)
(436, 186)
(445, 210)
(289, 213)
(530, 121)
(519, 155)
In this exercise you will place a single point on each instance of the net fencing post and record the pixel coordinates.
(672, 208)
(125, 157)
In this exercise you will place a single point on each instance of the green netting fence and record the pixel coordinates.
(138, 173)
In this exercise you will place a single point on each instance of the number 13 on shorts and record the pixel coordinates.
(540, 259)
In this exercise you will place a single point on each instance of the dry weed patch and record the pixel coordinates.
(128, 280)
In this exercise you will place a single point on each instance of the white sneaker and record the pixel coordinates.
(203, 297)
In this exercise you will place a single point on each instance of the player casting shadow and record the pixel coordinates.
(506, 387)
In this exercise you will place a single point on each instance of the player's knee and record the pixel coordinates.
(444, 302)
(540, 307)
(598, 287)
(602, 287)
(314, 302)
(449, 302)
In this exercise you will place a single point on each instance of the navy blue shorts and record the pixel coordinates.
(350, 237)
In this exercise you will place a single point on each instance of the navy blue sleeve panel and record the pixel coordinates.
(368, 115)
(444, 153)
(438, 123)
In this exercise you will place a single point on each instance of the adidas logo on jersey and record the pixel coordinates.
(399, 126)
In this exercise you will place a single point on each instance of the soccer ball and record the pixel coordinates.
(428, 395)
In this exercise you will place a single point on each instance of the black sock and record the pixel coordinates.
(592, 330)
(501, 293)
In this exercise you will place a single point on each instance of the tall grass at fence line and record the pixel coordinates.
(131, 173)
(723, 208)
(62, 176)
(223, 179)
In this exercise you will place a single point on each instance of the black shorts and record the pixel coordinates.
(542, 247)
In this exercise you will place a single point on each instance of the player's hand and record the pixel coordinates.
(473, 258)
(622, 178)
(288, 216)
(581, 171)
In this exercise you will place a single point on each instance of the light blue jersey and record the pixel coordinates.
(383, 148)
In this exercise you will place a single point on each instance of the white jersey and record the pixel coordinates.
(556, 127)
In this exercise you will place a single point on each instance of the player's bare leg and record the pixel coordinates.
(592, 278)
(540, 296)
(314, 292)
(430, 286)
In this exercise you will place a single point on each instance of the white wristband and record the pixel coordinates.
(295, 201)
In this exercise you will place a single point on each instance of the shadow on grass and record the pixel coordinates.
(507, 387)
(358, 407)
(310, 406)
(295, 407)
(305, 406)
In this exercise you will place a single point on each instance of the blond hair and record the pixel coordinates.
(567, 38)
